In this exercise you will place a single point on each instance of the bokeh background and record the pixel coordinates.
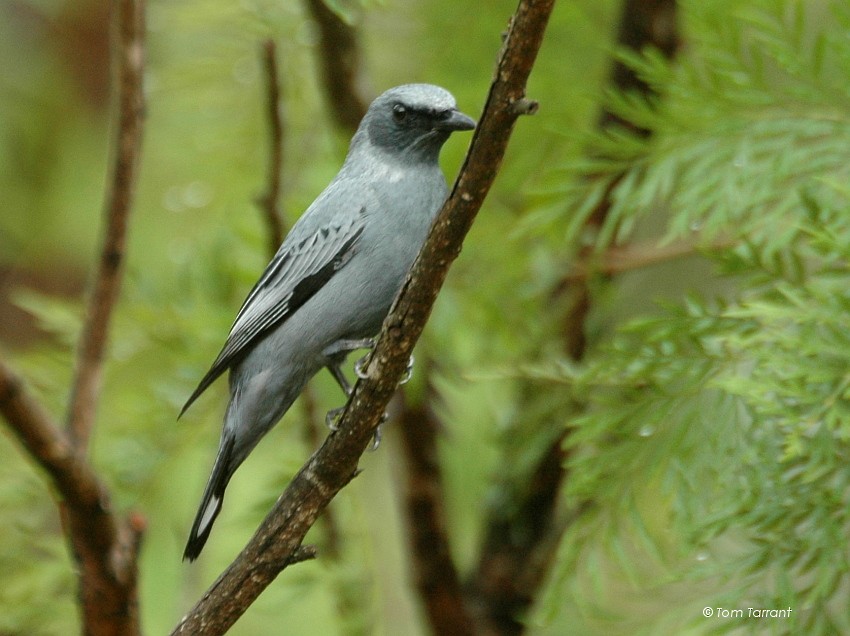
(699, 243)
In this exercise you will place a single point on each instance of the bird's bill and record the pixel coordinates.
(456, 121)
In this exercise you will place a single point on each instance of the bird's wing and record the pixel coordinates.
(300, 268)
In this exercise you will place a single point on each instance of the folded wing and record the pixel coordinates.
(299, 269)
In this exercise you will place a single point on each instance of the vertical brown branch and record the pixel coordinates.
(436, 576)
(129, 50)
(643, 23)
(521, 536)
(269, 201)
(341, 66)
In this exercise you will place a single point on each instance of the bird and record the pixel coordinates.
(331, 283)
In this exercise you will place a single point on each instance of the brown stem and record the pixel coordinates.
(436, 576)
(619, 259)
(104, 547)
(129, 23)
(269, 201)
(275, 230)
(335, 463)
(341, 67)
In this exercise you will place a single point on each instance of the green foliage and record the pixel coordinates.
(712, 445)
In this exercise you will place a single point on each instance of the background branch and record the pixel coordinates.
(269, 201)
(437, 578)
(129, 25)
(341, 67)
(619, 259)
(335, 463)
(104, 547)
(313, 422)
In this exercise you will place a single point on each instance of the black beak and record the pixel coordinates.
(455, 120)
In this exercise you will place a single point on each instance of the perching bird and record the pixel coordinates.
(331, 283)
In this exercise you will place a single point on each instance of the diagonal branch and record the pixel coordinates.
(105, 547)
(87, 378)
(331, 467)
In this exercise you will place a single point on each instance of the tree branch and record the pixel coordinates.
(335, 463)
(436, 576)
(269, 202)
(619, 259)
(104, 547)
(341, 68)
(129, 23)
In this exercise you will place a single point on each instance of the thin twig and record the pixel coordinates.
(269, 201)
(341, 67)
(313, 422)
(335, 463)
(85, 391)
(619, 259)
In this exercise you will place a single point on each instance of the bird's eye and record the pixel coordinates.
(399, 113)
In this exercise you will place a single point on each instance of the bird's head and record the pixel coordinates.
(413, 121)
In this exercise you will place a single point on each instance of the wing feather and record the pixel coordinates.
(293, 276)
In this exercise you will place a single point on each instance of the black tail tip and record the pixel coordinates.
(194, 547)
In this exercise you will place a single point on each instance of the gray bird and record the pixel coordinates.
(331, 283)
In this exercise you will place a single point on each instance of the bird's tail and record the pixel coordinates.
(211, 501)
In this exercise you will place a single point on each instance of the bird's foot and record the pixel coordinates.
(360, 371)
(332, 421)
(359, 367)
(346, 346)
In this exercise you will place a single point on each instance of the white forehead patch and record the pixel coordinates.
(421, 96)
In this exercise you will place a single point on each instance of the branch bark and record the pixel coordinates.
(128, 21)
(436, 576)
(331, 467)
(104, 546)
(341, 67)
(269, 201)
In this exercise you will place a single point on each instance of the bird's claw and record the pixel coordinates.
(376, 436)
(332, 417)
(359, 367)
(408, 372)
